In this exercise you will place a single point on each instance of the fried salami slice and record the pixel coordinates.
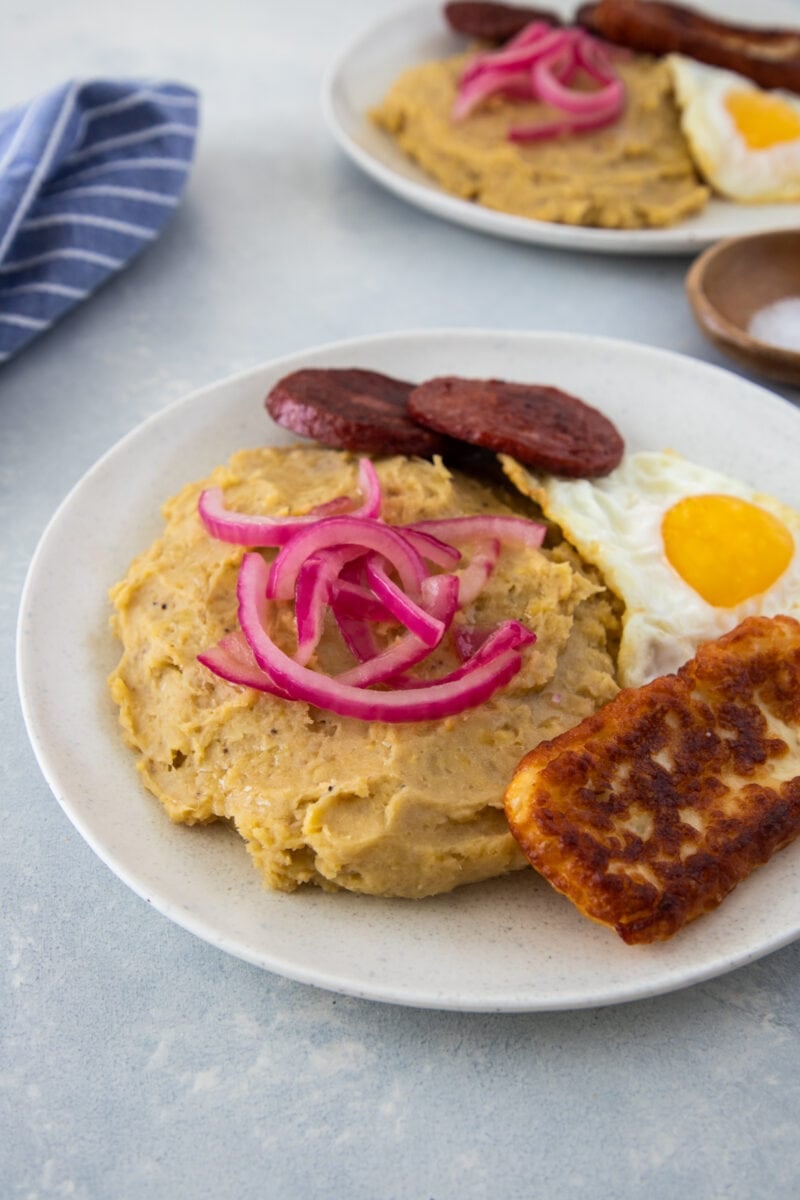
(351, 409)
(542, 427)
(492, 22)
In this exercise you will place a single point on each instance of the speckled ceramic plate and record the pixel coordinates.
(362, 73)
(510, 945)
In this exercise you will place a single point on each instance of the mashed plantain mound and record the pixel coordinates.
(393, 810)
(634, 174)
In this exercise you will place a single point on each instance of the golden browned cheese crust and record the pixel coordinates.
(648, 813)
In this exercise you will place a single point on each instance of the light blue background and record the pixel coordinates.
(140, 1063)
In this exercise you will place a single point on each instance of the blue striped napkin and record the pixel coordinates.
(89, 175)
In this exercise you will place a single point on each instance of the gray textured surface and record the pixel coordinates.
(138, 1062)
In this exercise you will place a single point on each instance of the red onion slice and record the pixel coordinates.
(553, 92)
(370, 485)
(468, 639)
(595, 59)
(487, 83)
(328, 561)
(345, 531)
(518, 531)
(312, 594)
(422, 624)
(575, 124)
(518, 55)
(428, 702)
(355, 600)
(510, 635)
(431, 548)
(473, 578)
(232, 659)
(356, 634)
(440, 593)
(247, 529)
(332, 508)
(541, 64)
(355, 628)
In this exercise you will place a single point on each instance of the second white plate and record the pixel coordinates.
(510, 945)
(362, 73)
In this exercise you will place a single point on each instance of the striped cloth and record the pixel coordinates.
(89, 175)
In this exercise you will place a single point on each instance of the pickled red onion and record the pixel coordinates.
(440, 593)
(370, 487)
(358, 601)
(541, 64)
(430, 547)
(428, 628)
(342, 564)
(518, 531)
(510, 635)
(553, 92)
(467, 639)
(477, 682)
(536, 39)
(481, 565)
(244, 529)
(550, 129)
(340, 531)
(332, 508)
(232, 659)
(315, 581)
(356, 630)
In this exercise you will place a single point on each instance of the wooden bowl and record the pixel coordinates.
(731, 281)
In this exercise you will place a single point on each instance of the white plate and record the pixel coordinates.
(509, 945)
(361, 75)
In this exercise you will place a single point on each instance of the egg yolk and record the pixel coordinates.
(725, 548)
(763, 119)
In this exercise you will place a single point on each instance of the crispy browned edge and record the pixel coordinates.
(566, 795)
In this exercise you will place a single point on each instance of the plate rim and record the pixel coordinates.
(688, 976)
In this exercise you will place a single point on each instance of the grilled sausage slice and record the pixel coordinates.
(542, 427)
(351, 409)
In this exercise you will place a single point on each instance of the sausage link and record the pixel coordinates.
(350, 409)
(770, 57)
(541, 426)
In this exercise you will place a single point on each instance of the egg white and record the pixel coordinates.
(615, 523)
(717, 147)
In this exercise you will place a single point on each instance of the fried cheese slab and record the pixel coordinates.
(648, 813)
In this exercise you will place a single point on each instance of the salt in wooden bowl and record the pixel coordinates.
(745, 296)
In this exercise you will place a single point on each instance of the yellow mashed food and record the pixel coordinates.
(636, 173)
(392, 810)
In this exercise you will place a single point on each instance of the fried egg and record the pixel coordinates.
(744, 141)
(689, 551)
